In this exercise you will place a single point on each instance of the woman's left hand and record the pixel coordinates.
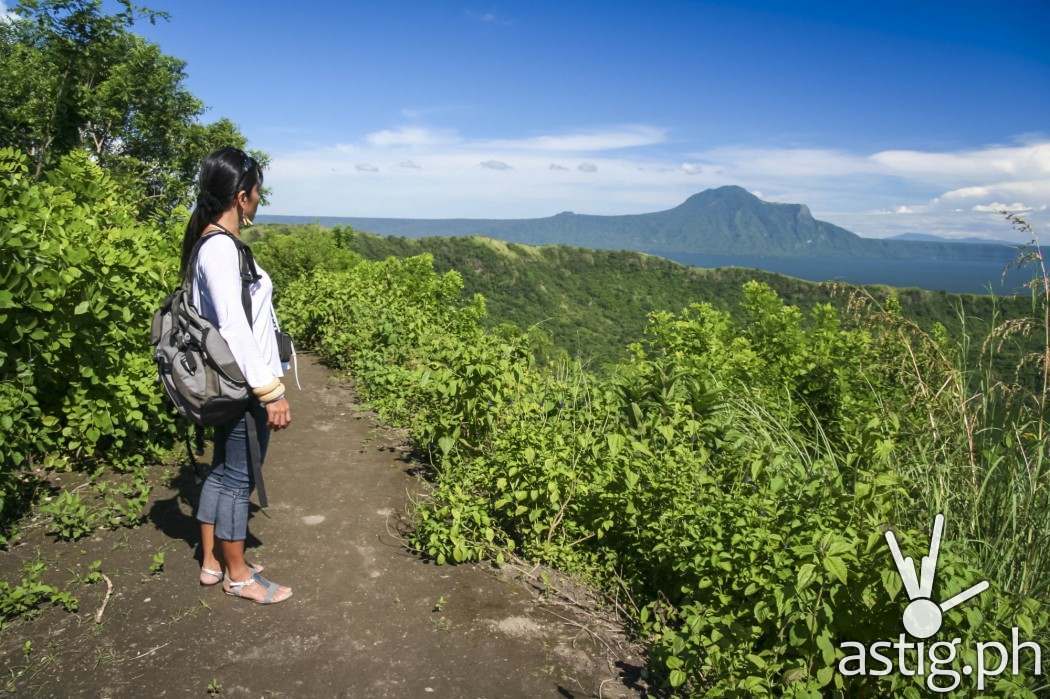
(278, 414)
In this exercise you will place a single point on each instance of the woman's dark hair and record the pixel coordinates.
(223, 173)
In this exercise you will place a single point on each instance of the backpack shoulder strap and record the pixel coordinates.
(249, 273)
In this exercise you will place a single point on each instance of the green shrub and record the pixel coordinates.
(734, 479)
(80, 279)
(69, 516)
(288, 256)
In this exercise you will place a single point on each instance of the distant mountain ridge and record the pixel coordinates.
(595, 302)
(722, 220)
(947, 239)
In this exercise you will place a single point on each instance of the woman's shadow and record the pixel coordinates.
(168, 514)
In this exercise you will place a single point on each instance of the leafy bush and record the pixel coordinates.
(287, 256)
(735, 480)
(69, 516)
(80, 279)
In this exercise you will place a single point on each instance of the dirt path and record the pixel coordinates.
(362, 622)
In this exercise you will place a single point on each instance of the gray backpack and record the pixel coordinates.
(195, 365)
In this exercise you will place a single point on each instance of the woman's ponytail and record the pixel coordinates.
(223, 174)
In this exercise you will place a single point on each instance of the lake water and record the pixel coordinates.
(959, 277)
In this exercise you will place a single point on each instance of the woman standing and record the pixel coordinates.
(229, 196)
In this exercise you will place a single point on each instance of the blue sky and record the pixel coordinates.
(882, 117)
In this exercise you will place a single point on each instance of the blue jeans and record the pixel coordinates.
(225, 492)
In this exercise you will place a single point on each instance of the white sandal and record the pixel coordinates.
(235, 587)
(219, 575)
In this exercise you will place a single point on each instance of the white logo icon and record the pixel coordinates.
(923, 616)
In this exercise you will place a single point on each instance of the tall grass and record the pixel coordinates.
(982, 459)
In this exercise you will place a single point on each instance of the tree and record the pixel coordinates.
(73, 77)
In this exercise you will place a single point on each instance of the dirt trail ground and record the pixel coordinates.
(368, 618)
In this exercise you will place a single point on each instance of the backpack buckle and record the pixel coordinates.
(163, 363)
(189, 363)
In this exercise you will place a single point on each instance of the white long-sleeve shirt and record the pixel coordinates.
(217, 297)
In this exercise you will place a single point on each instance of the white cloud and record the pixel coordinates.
(489, 17)
(787, 162)
(1028, 166)
(996, 207)
(966, 193)
(451, 175)
(579, 141)
(419, 112)
(5, 14)
(366, 167)
(1031, 189)
(979, 163)
(597, 140)
(411, 136)
(856, 190)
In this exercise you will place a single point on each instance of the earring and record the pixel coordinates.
(245, 221)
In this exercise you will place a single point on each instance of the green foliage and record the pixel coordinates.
(26, 596)
(125, 499)
(590, 304)
(157, 564)
(118, 503)
(734, 476)
(288, 256)
(93, 575)
(69, 516)
(97, 135)
(73, 77)
(80, 280)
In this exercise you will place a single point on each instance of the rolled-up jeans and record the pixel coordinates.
(226, 490)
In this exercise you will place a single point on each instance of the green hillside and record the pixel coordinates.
(593, 302)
